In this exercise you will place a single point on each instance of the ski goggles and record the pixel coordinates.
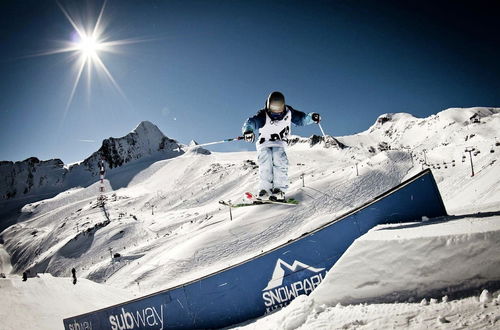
(276, 107)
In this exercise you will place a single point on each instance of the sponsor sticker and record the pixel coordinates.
(150, 316)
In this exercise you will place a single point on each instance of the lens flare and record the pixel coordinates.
(88, 42)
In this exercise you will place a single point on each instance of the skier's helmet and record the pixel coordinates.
(275, 102)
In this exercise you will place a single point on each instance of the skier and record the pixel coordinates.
(273, 123)
(73, 271)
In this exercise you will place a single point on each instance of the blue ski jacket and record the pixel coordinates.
(299, 118)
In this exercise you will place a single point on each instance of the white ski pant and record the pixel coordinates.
(273, 168)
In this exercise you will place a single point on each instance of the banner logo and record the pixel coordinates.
(279, 292)
(138, 319)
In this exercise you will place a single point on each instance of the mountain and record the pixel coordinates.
(193, 146)
(32, 177)
(145, 140)
(459, 127)
(326, 141)
(281, 268)
(165, 226)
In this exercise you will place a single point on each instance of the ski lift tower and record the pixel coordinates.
(470, 150)
(102, 171)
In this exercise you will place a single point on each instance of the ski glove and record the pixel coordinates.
(316, 117)
(249, 136)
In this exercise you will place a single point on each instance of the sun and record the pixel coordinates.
(89, 47)
(90, 40)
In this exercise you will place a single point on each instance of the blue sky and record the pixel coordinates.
(203, 67)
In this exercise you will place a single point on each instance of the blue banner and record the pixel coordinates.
(273, 279)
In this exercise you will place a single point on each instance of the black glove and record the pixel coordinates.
(316, 117)
(249, 136)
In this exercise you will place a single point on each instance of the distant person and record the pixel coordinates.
(25, 276)
(273, 124)
(73, 271)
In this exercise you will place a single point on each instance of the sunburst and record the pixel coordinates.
(89, 43)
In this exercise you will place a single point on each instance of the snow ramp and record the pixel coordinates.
(272, 279)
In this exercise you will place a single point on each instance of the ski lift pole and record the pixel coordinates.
(470, 150)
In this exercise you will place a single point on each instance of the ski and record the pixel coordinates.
(257, 201)
(228, 203)
(289, 201)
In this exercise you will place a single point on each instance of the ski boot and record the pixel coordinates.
(277, 195)
(263, 195)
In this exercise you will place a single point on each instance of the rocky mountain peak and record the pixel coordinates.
(147, 129)
(33, 176)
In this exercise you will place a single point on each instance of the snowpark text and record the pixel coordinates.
(276, 295)
(280, 297)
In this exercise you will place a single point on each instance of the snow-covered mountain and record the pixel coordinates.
(31, 176)
(31, 180)
(455, 127)
(35, 177)
(162, 224)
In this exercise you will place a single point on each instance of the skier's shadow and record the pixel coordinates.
(445, 219)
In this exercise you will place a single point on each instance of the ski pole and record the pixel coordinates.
(211, 143)
(321, 128)
(218, 142)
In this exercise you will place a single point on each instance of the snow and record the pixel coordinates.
(304, 313)
(5, 264)
(405, 263)
(40, 302)
(163, 217)
(485, 296)
(432, 261)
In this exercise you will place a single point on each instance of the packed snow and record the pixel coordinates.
(162, 225)
(40, 302)
(442, 313)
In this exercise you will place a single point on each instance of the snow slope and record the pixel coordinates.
(163, 249)
(164, 220)
(5, 264)
(480, 311)
(40, 302)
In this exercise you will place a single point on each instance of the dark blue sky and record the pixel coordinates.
(208, 65)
